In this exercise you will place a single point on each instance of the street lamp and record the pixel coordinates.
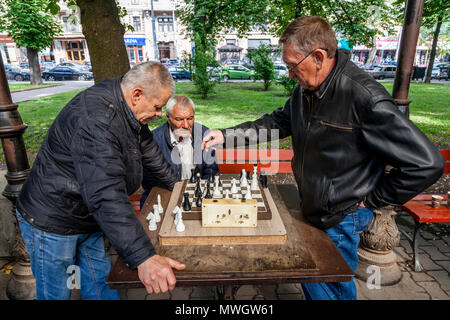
(22, 285)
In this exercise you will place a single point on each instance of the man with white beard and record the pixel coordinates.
(180, 140)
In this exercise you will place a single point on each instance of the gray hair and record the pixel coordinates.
(152, 76)
(180, 101)
(309, 33)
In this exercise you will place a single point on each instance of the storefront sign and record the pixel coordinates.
(134, 41)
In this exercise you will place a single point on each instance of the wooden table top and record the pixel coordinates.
(308, 255)
(422, 211)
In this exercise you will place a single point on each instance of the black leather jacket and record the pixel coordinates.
(343, 136)
(89, 163)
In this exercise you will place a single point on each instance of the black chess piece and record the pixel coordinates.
(198, 203)
(186, 204)
(198, 189)
(211, 177)
(192, 179)
(263, 179)
(208, 191)
(197, 177)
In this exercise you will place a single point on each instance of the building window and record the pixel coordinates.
(137, 24)
(165, 24)
(254, 43)
(75, 51)
(231, 42)
(135, 54)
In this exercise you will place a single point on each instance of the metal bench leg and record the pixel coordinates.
(415, 245)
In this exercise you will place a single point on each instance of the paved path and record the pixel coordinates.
(38, 93)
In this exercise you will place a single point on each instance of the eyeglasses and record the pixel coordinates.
(291, 69)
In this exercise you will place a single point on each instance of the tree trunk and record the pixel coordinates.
(104, 36)
(35, 69)
(433, 48)
(372, 52)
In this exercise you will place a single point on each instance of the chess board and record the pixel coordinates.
(264, 211)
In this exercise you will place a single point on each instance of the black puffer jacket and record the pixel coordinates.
(88, 164)
(343, 136)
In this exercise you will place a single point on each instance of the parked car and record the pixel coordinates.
(280, 70)
(382, 72)
(24, 65)
(73, 65)
(47, 65)
(444, 71)
(180, 73)
(66, 73)
(18, 74)
(236, 72)
(88, 65)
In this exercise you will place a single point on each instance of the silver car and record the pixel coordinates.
(382, 72)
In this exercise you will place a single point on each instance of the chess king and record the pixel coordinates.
(180, 140)
(345, 129)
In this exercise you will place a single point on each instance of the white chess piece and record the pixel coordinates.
(248, 194)
(254, 184)
(180, 224)
(227, 194)
(243, 175)
(244, 181)
(152, 224)
(216, 192)
(156, 213)
(160, 208)
(176, 212)
(233, 186)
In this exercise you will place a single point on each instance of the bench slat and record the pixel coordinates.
(254, 155)
(425, 213)
(271, 167)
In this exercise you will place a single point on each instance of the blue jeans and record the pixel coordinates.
(55, 258)
(346, 238)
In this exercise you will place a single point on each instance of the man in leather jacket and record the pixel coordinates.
(345, 130)
(78, 189)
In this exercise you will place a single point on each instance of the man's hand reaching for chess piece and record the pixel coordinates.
(156, 273)
(213, 138)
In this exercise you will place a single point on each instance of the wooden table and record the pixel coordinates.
(423, 213)
(308, 255)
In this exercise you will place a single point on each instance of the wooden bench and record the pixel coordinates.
(234, 160)
(421, 210)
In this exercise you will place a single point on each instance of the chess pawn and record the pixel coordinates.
(248, 194)
(192, 179)
(156, 213)
(160, 208)
(180, 225)
(227, 194)
(198, 203)
(152, 224)
(186, 203)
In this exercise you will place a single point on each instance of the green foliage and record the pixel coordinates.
(261, 58)
(356, 21)
(288, 84)
(202, 57)
(28, 23)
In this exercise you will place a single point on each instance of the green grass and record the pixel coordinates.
(234, 103)
(22, 86)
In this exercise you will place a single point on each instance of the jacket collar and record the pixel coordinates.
(342, 56)
(132, 121)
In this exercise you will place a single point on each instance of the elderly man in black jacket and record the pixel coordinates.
(78, 189)
(345, 129)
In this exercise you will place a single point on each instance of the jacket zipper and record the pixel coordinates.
(306, 137)
(335, 126)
